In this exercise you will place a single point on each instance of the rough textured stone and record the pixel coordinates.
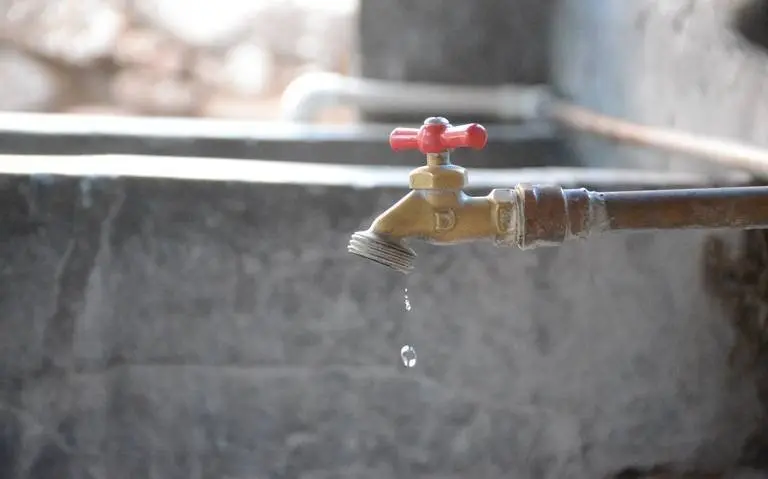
(176, 329)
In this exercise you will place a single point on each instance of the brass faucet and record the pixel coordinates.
(438, 211)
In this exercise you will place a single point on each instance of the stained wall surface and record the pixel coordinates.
(170, 329)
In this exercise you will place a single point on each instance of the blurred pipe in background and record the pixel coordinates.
(308, 95)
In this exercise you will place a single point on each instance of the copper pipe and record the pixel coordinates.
(549, 215)
(727, 153)
(738, 207)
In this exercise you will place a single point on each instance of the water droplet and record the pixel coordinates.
(406, 301)
(408, 355)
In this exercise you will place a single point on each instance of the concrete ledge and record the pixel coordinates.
(531, 144)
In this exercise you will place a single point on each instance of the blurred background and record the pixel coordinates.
(162, 324)
(223, 59)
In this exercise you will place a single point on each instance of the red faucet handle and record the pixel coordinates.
(436, 135)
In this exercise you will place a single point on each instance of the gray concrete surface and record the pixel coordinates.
(676, 63)
(174, 329)
(510, 146)
(485, 42)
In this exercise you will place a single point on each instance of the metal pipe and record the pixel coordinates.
(724, 152)
(550, 215)
(735, 207)
(309, 94)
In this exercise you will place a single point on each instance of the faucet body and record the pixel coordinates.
(438, 211)
(438, 217)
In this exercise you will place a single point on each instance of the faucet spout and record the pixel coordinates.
(438, 217)
(436, 210)
(384, 241)
(386, 251)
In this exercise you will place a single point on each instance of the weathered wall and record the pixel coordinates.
(465, 43)
(454, 42)
(676, 63)
(174, 329)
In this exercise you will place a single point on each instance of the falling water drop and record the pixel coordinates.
(406, 301)
(407, 352)
(408, 355)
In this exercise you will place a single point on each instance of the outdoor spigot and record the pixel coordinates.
(437, 210)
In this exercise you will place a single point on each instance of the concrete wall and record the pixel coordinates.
(175, 329)
(677, 63)
(485, 42)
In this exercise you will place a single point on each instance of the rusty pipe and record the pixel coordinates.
(532, 216)
(724, 152)
(550, 215)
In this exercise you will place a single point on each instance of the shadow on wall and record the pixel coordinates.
(751, 22)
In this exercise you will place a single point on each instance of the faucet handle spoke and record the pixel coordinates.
(436, 135)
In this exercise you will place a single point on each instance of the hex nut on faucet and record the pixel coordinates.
(439, 174)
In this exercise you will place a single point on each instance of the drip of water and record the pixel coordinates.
(406, 301)
(408, 355)
(407, 352)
